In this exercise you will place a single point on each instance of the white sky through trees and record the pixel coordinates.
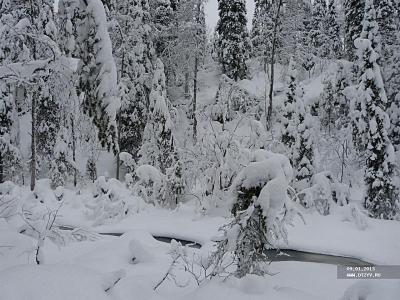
(212, 12)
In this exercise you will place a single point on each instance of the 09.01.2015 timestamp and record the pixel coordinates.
(368, 272)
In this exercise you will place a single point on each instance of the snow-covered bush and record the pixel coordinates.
(40, 213)
(210, 167)
(111, 201)
(338, 154)
(128, 161)
(174, 187)
(353, 214)
(152, 185)
(324, 192)
(9, 202)
(62, 164)
(149, 185)
(259, 194)
(232, 100)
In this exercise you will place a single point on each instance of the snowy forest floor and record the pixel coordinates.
(108, 255)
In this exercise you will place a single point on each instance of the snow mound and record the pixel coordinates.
(260, 155)
(111, 202)
(54, 282)
(15, 248)
(353, 214)
(139, 253)
(378, 290)
(148, 173)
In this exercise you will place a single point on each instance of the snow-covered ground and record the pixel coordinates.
(83, 270)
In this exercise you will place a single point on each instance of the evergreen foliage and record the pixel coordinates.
(381, 194)
(135, 56)
(233, 40)
(354, 14)
(333, 33)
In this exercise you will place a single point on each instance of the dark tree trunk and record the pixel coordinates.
(74, 149)
(271, 86)
(1, 169)
(196, 66)
(196, 70)
(33, 112)
(117, 158)
(33, 143)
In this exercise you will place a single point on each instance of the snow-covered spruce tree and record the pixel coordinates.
(342, 82)
(359, 118)
(98, 74)
(289, 118)
(381, 194)
(303, 149)
(66, 17)
(159, 145)
(386, 12)
(359, 123)
(333, 34)
(62, 164)
(162, 17)
(393, 93)
(389, 27)
(335, 98)
(46, 20)
(166, 23)
(259, 193)
(158, 141)
(9, 153)
(134, 54)
(370, 27)
(47, 122)
(174, 188)
(329, 108)
(261, 31)
(91, 168)
(354, 14)
(233, 40)
(48, 116)
(176, 34)
(294, 37)
(317, 33)
(12, 48)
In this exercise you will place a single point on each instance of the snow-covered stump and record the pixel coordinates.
(150, 184)
(111, 202)
(324, 193)
(259, 195)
